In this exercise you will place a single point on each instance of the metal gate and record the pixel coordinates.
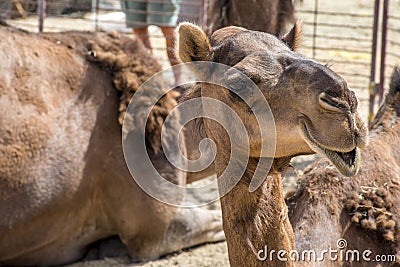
(358, 39)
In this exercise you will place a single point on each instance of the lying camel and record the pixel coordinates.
(314, 111)
(64, 183)
(363, 210)
(272, 16)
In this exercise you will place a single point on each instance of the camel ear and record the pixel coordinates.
(293, 37)
(193, 43)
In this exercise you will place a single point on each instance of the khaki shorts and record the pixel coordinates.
(140, 13)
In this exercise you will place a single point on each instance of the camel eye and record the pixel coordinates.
(236, 81)
(329, 104)
(237, 85)
(240, 86)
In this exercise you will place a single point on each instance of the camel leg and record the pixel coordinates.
(188, 227)
(191, 227)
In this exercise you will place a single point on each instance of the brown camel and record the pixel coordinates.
(64, 183)
(363, 210)
(314, 111)
(270, 16)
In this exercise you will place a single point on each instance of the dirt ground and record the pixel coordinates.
(202, 256)
(216, 254)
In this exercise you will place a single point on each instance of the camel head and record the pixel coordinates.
(313, 108)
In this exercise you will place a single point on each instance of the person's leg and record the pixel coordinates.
(143, 35)
(136, 18)
(169, 34)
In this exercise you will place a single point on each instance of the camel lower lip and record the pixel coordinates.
(347, 166)
(348, 163)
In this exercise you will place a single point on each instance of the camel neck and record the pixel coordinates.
(257, 221)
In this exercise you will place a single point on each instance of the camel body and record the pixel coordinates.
(270, 16)
(64, 183)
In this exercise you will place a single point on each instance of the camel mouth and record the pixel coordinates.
(348, 163)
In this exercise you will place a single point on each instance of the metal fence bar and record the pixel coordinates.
(42, 14)
(326, 24)
(320, 12)
(383, 49)
(355, 74)
(353, 50)
(392, 66)
(322, 36)
(372, 83)
(132, 11)
(58, 4)
(96, 19)
(394, 17)
(315, 28)
(191, 3)
(160, 13)
(393, 29)
(204, 12)
(196, 4)
(337, 61)
(392, 54)
(391, 42)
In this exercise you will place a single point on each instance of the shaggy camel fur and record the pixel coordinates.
(314, 111)
(64, 183)
(364, 209)
(270, 16)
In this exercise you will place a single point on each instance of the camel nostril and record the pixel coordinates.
(92, 53)
(356, 138)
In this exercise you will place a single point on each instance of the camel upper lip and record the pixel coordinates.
(348, 163)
